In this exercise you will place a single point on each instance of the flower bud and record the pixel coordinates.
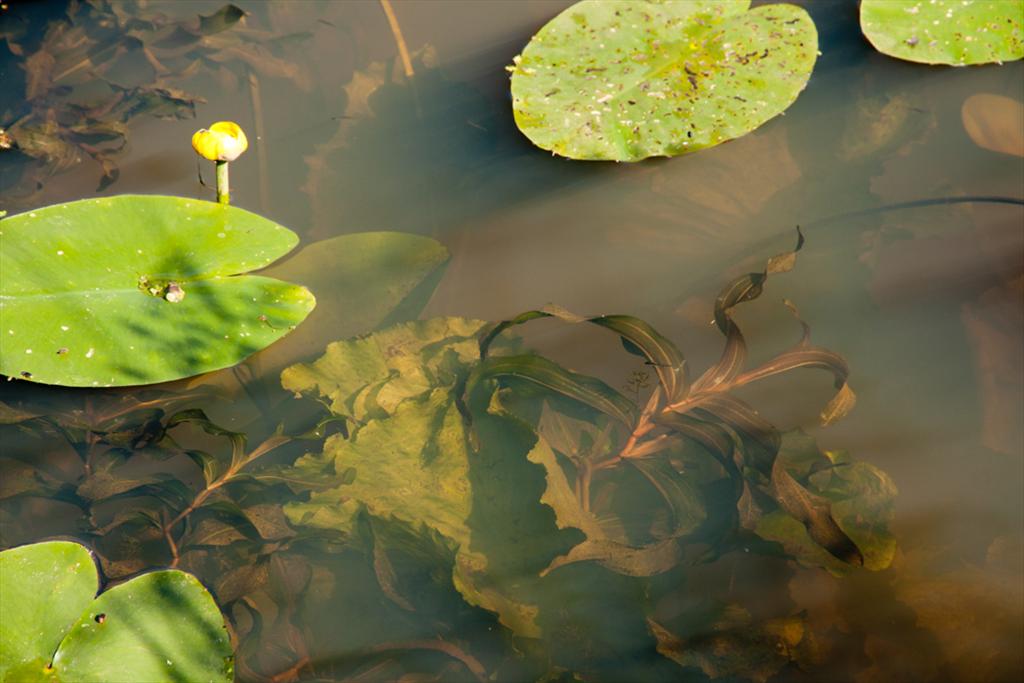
(223, 141)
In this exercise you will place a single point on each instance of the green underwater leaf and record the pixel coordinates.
(140, 289)
(599, 545)
(359, 281)
(834, 511)
(951, 32)
(545, 373)
(368, 377)
(734, 645)
(407, 461)
(395, 477)
(161, 626)
(411, 467)
(625, 80)
(863, 504)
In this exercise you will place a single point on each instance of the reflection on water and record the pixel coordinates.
(924, 302)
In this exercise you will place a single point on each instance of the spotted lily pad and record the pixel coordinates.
(629, 79)
(161, 626)
(139, 289)
(957, 32)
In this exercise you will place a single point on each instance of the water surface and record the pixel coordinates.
(924, 302)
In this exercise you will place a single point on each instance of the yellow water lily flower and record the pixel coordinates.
(223, 141)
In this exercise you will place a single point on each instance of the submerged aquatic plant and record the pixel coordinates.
(463, 473)
(446, 437)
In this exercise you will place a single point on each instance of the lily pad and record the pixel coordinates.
(161, 626)
(955, 32)
(629, 79)
(139, 289)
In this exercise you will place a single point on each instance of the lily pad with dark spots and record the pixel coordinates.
(956, 32)
(625, 80)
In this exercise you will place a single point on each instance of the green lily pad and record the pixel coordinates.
(44, 588)
(139, 289)
(630, 79)
(161, 626)
(956, 32)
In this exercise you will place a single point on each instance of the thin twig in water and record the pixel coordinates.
(261, 140)
(396, 31)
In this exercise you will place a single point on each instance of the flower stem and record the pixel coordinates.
(223, 187)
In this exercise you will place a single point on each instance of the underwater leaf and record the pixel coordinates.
(359, 281)
(838, 406)
(648, 560)
(211, 531)
(945, 31)
(603, 542)
(308, 473)
(629, 79)
(369, 377)
(782, 528)
(637, 336)
(221, 20)
(741, 418)
(394, 476)
(198, 417)
(159, 626)
(411, 467)
(559, 494)
(269, 520)
(539, 370)
(995, 122)
(815, 513)
(843, 509)
(101, 485)
(20, 478)
(86, 290)
(574, 438)
(660, 352)
(744, 288)
(863, 503)
(882, 123)
(805, 355)
(471, 579)
(677, 490)
(734, 645)
(10, 415)
(209, 463)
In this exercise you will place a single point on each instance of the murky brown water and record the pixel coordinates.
(924, 301)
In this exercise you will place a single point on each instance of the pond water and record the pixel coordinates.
(913, 271)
